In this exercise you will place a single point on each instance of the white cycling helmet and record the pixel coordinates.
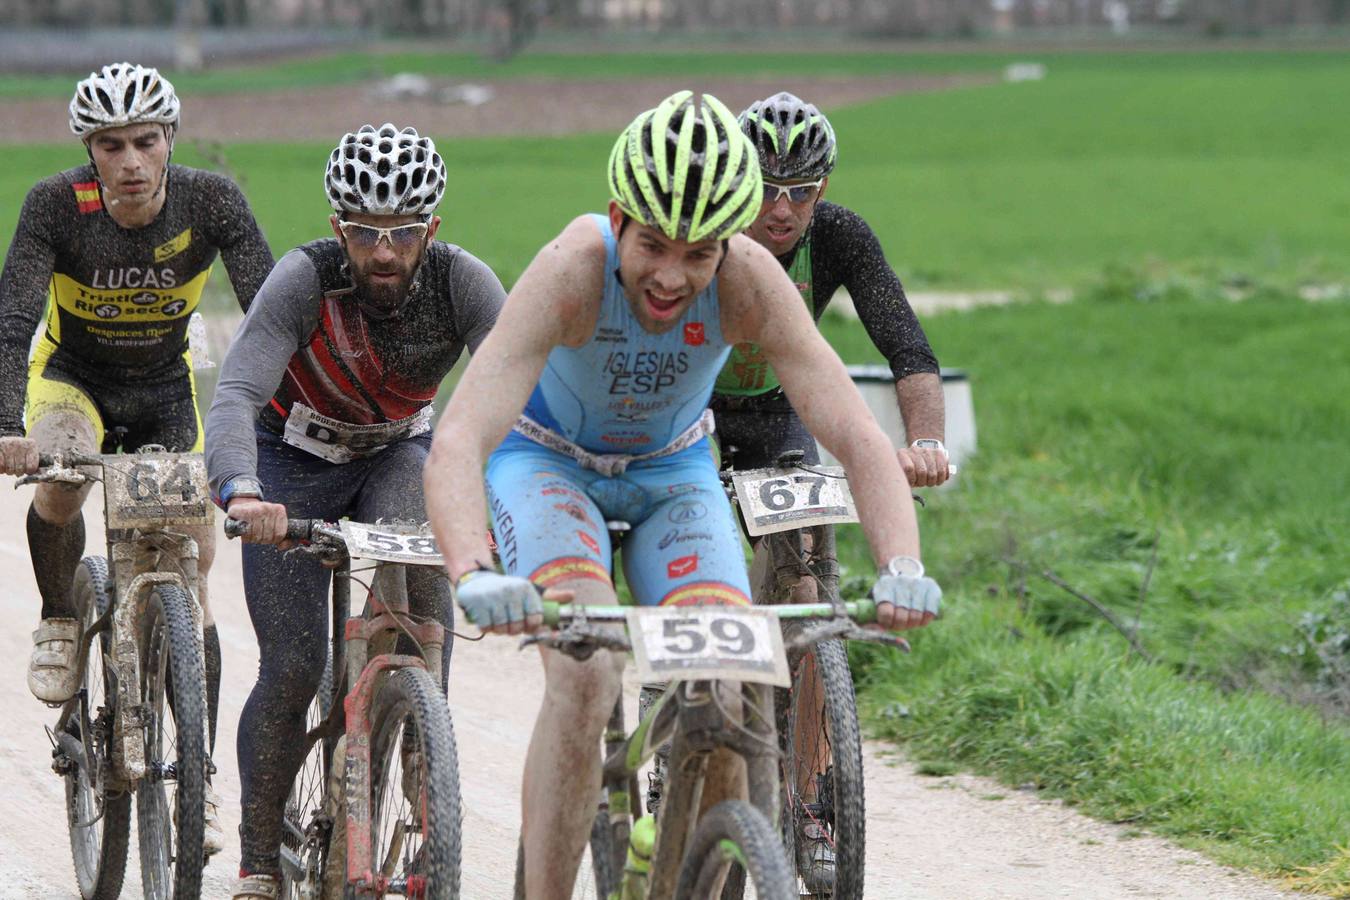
(122, 94)
(385, 173)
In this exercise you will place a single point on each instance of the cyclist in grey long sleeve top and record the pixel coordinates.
(323, 410)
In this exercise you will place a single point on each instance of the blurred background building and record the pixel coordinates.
(219, 30)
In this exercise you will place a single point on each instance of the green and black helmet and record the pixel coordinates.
(685, 168)
(794, 139)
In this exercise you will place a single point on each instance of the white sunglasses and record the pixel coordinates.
(796, 193)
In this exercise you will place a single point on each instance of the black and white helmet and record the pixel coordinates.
(794, 139)
(385, 172)
(122, 94)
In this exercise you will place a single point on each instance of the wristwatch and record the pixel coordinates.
(928, 444)
(902, 565)
(243, 486)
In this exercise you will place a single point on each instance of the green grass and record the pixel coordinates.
(362, 66)
(1220, 165)
(1157, 432)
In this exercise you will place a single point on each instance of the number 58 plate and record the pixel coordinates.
(684, 643)
(411, 545)
(778, 499)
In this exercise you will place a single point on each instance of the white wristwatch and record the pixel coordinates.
(928, 444)
(902, 565)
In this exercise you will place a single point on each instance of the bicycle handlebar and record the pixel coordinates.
(296, 529)
(864, 612)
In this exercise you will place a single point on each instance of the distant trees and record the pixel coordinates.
(516, 20)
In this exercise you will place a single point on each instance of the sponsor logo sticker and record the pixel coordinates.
(693, 334)
(685, 565)
(173, 246)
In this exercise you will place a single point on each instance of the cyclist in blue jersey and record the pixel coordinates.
(610, 343)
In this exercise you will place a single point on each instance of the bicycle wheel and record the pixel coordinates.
(822, 772)
(305, 831)
(169, 800)
(414, 802)
(100, 824)
(733, 835)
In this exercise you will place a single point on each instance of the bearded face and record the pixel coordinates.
(383, 253)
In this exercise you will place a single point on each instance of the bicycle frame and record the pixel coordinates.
(353, 638)
(690, 715)
(365, 673)
(141, 559)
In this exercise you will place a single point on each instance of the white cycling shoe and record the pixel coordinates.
(213, 836)
(256, 887)
(52, 676)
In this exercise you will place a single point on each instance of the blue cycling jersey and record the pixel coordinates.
(624, 391)
(627, 390)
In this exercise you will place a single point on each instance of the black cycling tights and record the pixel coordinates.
(288, 602)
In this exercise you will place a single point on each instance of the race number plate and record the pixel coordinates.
(683, 643)
(411, 544)
(779, 499)
(142, 490)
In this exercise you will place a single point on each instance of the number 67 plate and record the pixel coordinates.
(685, 643)
(779, 499)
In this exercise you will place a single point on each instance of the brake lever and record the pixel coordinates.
(579, 641)
(845, 629)
(56, 476)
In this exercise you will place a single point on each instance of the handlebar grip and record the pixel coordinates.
(552, 613)
(296, 529)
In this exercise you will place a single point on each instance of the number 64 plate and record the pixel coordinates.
(779, 499)
(685, 643)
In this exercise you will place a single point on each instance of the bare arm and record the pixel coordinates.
(555, 302)
(760, 304)
(924, 411)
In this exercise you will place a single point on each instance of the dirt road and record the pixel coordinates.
(935, 839)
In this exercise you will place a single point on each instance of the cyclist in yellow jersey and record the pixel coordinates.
(116, 252)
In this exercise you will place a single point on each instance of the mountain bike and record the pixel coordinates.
(375, 809)
(792, 507)
(721, 663)
(138, 723)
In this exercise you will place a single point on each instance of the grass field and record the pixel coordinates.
(1167, 438)
(1151, 433)
(1220, 165)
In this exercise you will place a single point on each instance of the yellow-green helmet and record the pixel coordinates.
(686, 168)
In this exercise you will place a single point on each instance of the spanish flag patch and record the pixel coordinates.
(705, 593)
(568, 568)
(87, 196)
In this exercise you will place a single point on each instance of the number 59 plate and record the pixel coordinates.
(778, 499)
(684, 643)
(409, 544)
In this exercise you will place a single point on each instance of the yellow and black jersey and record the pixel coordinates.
(117, 299)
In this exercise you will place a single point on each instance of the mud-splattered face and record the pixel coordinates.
(661, 276)
(782, 221)
(383, 265)
(130, 161)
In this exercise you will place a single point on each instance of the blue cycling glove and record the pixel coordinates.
(916, 592)
(490, 598)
